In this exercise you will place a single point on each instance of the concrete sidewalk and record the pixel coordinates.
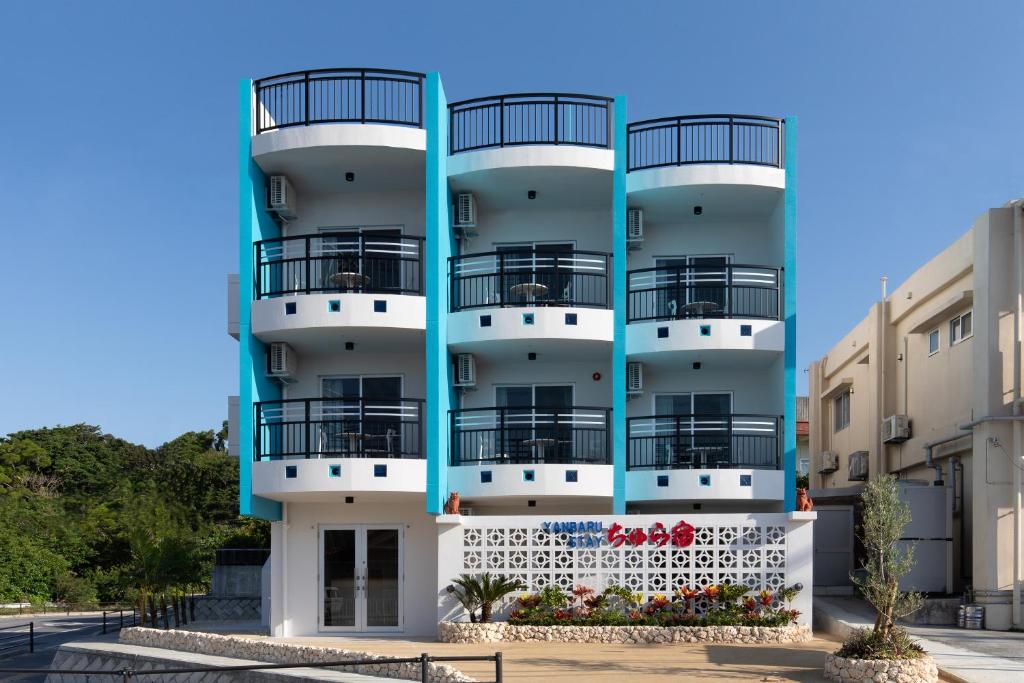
(961, 655)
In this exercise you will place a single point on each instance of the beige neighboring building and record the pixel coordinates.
(935, 368)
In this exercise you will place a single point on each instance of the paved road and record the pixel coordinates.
(52, 631)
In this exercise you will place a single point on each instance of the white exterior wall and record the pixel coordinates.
(750, 242)
(589, 229)
(758, 392)
(324, 211)
(586, 391)
(408, 364)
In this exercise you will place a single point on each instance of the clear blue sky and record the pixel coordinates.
(118, 156)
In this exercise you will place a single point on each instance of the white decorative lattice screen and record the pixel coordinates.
(751, 554)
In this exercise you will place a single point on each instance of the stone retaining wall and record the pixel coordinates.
(920, 670)
(465, 632)
(263, 650)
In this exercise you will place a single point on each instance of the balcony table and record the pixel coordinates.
(349, 280)
(540, 444)
(353, 440)
(530, 289)
(700, 307)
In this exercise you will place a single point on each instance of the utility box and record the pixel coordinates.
(930, 532)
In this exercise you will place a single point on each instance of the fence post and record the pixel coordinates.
(497, 668)
(126, 675)
(31, 637)
(424, 668)
(104, 623)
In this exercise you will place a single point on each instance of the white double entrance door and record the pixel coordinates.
(361, 576)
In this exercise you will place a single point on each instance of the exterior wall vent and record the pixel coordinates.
(634, 227)
(465, 370)
(895, 429)
(282, 197)
(465, 210)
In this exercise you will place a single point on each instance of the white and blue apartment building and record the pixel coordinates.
(582, 324)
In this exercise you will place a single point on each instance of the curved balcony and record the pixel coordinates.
(302, 124)
(704, 457)
(731, 164)
(367, 284)
(308, 449)
(699, 309)
(531, 452)
(524, 130)
(551, 301)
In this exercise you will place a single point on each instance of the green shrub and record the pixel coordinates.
(866, 643)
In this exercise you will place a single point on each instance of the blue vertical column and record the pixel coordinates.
(254, 223)
(619, 452)
(440, 244)
(789, 282)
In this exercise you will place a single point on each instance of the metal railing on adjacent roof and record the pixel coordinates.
(529, 119)
(302, 98)
(705, 139)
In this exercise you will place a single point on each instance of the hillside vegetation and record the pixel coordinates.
(86, 517)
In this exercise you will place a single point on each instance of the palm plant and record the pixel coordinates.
(481, 591)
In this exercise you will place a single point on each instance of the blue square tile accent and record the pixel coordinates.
(290, 308)
(334, 470)
(527, 318)
(746, 330)
(570, 318)
(486, 477)
(662, 480)
(705, 330)
(572, 476)
(485, 321)
(380, 306)
(744, 480)
(662, 333)
(334, 306)
(529, 475)
(291, 471)
(380, 470)
(704, 480)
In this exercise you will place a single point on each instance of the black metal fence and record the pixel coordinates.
(530, 278)
(529, 119)
(339, 262)
(577, 434)
(241, 557)
(342, 427)
(705, 139)
(17, 639)
(423, 663)
(301, 98)
(115, 620)
(725, 291)
(665, 442)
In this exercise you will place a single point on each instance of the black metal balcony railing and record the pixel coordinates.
(302, 98)
(726, 291)
(530, 278)
(705, 139)
(342, 427)
(576, 434)
(665, 442)
(529, 119)
(339, 262)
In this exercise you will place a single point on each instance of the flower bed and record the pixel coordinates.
(919, 670)
(466, 632)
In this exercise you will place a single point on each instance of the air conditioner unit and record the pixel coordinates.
(465, 210)
(465, 370)
(634, 226)
(858, 466)
(895, 429)
(828, 462)
(282, 363)
(282, 197)
(634, 378)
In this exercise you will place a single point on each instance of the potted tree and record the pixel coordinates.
(885, 652)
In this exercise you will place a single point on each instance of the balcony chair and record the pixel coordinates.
(388, 450)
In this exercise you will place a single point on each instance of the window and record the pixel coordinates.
(841, 412)
(961, 328)
(933, 342)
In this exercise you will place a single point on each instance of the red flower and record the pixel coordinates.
(711, 592)
(582, 591)
(563, 615)
(750, 604)
(514, 615)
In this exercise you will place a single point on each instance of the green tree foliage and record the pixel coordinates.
(80, 510)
